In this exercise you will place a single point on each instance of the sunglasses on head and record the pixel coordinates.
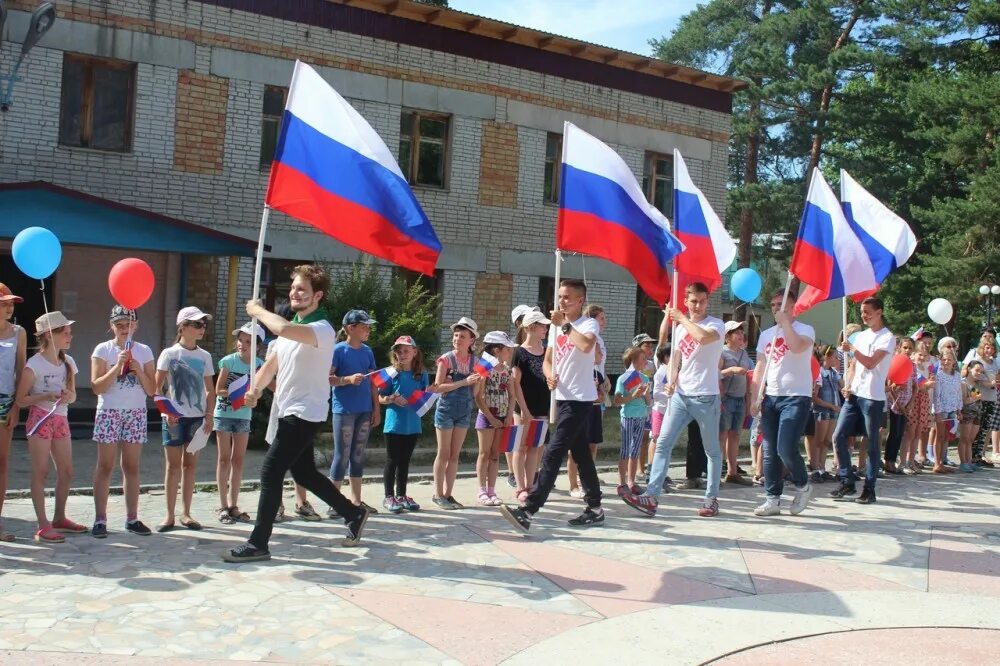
(195, 324)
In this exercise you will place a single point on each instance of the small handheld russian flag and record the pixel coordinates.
(534, 433)
(510, 439)
(921, 380)
(422, 401)
(238, 392)
(632, 380)
(166, 406)
(383, 378)
(485, 364)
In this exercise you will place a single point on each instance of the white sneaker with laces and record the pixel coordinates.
(800, 499)
(770, 507)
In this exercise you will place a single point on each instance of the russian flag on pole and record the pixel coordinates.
(534, 433)
(510, 438)
(485, 364)
(708, 247)
(603, 213)
(829, 257)
(331, 170)
(422, 401)
(886, 237)
(383, 378)
(632, 380)
(238, 391)
(166, 406)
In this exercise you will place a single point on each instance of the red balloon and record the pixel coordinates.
(131, 282)
(901, 369)
(814, 364)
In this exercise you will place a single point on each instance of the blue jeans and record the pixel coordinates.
(681, 410)
(855, 411)
(783, 420)
(350, 435)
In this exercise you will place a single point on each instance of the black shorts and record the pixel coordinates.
(595, 425)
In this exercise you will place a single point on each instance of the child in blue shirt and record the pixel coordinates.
(636, 405)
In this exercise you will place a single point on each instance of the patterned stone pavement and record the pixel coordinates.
(439, 587)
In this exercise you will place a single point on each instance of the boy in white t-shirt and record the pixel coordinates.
(873, 349)
(694, 396)
(784, 363)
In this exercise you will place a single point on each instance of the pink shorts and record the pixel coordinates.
(657, 419)
(54, 427)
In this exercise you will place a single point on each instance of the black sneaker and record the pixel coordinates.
(246, 552)
(844, 490)
(587, 519)
(867, 496)
(99, 531)
(518, 518)
(332, 513)
(455, 504)
(369, 509)
(138, 527)
(511, 480)
(355, 528)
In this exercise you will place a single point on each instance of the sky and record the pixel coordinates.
(627, 25)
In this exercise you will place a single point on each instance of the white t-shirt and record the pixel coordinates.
(50, 378)
(302, 386)
(574, 368)
(699, 373)
(186, 371)
(788, 373)
(660, 398)
(870, 384)
(604, 356)
(125, 392)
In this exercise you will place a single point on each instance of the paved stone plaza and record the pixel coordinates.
(441, 587)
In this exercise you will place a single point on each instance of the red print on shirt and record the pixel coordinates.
(688, 346)
(563, 347)
(779, 352)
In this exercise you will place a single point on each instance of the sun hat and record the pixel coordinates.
(122, 313)
(733, 325)
(535, 317)
(466, 322)
(404, 340)
(357, 317)
(7, 295)
(50, 321)
(498, 338)
(191, 313)
(250, 328)
(521, 311)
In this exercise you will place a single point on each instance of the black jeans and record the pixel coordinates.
(571, 435)
(696, 462)
(897, 426)
(398, 451)
(293, 450)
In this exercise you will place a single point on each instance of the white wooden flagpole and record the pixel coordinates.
(265, 216)
(555, 306)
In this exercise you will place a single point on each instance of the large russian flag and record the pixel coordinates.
(708, 247)
(829, 257)
(331, 170)
(603, 213)
(886, 237)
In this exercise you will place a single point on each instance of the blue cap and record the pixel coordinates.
(357, 317)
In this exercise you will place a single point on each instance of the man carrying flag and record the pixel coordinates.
(300, 364)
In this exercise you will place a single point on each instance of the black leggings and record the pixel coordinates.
(293, 450)
(398, 451)
(696, 462)
(897, 426)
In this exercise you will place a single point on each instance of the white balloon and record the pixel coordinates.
(940, 311)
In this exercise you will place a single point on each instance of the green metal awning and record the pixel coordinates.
(77, 218)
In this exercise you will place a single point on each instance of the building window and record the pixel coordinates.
(98, 99)
(658, 182)
(274, 108)
(546, 294)
(648, 315)
(423, 147)
(276, 280)
(553, 167)
(430, 283)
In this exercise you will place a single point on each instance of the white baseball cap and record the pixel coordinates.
(535, 317)
(191, 313)
(733, 325)
(520, 311)
(498, 338)
(250, 328)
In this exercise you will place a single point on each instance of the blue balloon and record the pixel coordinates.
(745, 285)
(37, 252)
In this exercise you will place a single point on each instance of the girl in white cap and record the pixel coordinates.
(13, 355)
(495, 399)
(122, 374)
(232, 425)
(47, 386)
(187, 371)
(533, 395)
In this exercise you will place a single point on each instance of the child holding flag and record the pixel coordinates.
(122, 374)
(402, 420)
(947, 406)
(533, 395)
(47, 387)
(633, 396)
(495, 397)
(232, 422)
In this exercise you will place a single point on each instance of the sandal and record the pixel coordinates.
(280, 516)
(238, 516)
(6, 536)
(49, 535)
(191, 524)
(225, 517)
(484, 499)
(495, 501)
(522, 495)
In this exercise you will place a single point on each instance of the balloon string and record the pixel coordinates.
(45, 303)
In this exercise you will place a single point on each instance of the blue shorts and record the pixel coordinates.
(231, 425)
(455, 413)
(733, 412)
(182, 433)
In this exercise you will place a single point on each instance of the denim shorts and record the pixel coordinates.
(733, 411)
(454, 413)
(227, 424)
(824, 414)
(182, 433)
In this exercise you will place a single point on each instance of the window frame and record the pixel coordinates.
(411, 170)
(270, 271)
(432, 284)
(546, 293)
(556, 163)
(650, 179)
(87, 101)
(647, 312)
(266, 118)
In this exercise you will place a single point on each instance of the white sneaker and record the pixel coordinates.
(800, 499)
(770, 507)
